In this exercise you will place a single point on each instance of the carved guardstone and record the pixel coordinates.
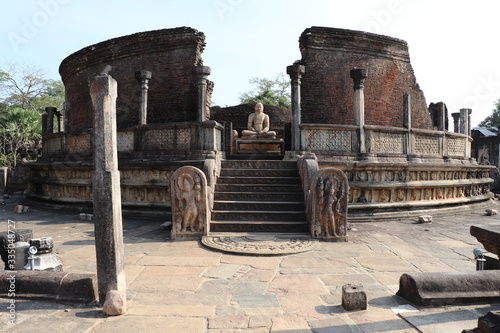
(190, 213)
(328, 197)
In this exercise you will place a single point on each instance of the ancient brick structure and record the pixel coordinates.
(168, 54)
(327, 93)
(356, 105)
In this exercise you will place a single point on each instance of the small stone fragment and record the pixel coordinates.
(354, 297)
(425, 219)
(491, 212)
(67, 310)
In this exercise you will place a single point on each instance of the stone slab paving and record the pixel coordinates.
(184, 287)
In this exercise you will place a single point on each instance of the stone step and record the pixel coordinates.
(259, 164)
(259, 196)
(257, 215)
(259, 226)
(260, 188)
(241, 172)
(258, 180)
(241, 205)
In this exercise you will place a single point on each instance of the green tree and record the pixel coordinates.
(493, 120)
(269, 91)
(24, 94)
(26, 88)
(20, 134)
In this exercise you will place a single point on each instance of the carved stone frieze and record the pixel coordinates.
(190, 210)
(329, 140)
(328, 196)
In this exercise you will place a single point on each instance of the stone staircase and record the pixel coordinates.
(259, 196)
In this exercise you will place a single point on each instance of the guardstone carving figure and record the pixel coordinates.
(189, 203)
(329, 194)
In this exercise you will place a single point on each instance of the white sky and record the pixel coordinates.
(453, 44)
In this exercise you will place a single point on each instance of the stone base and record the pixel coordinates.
(260, 146)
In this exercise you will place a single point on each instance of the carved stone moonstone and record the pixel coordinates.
(260, 245)
(189, 203)
(328, 197)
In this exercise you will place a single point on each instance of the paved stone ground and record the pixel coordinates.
(184, 287)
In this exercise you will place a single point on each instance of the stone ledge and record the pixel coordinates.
(52, 286)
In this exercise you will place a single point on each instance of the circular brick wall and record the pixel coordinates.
(169, 54)
(327, 89)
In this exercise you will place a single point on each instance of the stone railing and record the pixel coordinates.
(326, 138)
(172, 136)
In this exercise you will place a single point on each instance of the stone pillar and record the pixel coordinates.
(442, 117)
(48, 121)
(60, 121)
(143, 77)
(469, 122)
(358, 76)
(464, 121)
(407, 120)
(106, 195)
(201, 72)
(295, 71)
(456, 122)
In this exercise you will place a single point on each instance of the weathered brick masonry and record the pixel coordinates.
(169, 54)
(327, 90)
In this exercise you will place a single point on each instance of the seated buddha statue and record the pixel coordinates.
(258, 125)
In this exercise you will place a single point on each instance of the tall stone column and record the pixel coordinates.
(295, 71)
(143, 77)
(442, 117)
(107, 198)
(201, 72)
(407, 121)
(456, 122)
(464, 121)
(358, 76)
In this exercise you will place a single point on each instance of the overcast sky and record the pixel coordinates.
(453, 44)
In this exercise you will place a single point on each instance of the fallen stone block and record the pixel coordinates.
(53, 286)
(18, 209)
(491, 212)
(354, 297)
(437, 289)
(425, 219)
(488, 323)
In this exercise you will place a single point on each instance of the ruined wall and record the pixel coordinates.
(327, 90)
(169, 54)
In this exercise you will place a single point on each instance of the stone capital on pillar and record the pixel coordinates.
(295, 71)
(202, 72)
(143, 76)
(358, 76)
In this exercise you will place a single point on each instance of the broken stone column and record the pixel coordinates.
(456, 121)
(143, 77)
(358, 76)
(201, 72)
(106, 190)
(295, 71)
(353, 297)
(48, 121)
(464, 121)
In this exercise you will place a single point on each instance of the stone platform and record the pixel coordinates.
(185, 287)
